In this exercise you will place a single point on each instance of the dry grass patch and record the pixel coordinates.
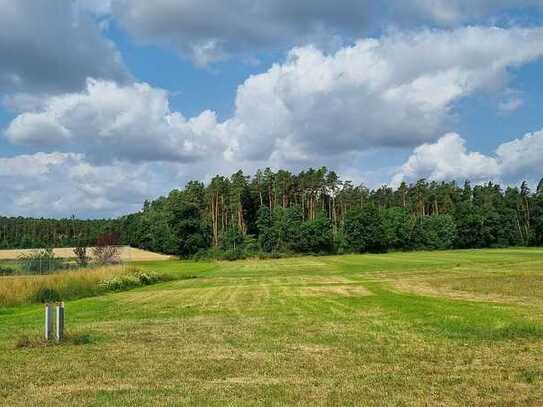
(521, 288)
(334, 289)
(66, 285)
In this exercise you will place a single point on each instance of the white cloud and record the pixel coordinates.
(522, 157)
(395, 91)
(48, 46)
(449, 159)
(62, 184)
(398, 91)
(109, 121)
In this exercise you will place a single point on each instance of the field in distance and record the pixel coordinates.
(126, 254)
(451, 328)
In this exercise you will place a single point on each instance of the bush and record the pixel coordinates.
(106, 255)
(7, 271)
(398, 225)
(436, 232)
(81, 256)
(148, 278)
(46, 294)
(132, 280)
(314, 237)
(120, 283)
(364, 231)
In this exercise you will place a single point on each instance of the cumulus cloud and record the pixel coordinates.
(110, 121)
(48, 46)
(448, 159)
(209, 30)
(61, 184)
(522, 157)
(398, 90)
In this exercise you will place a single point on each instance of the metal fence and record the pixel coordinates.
(46, 261)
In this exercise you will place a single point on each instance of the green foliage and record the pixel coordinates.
(7, 271)
(311, 236)
(190, 232)
(131, 280)
(398, 227)
(364, 231)
(538, 218)
(268, 236)
(436, 232)
(232, 239)
(148, 278)
(46, 294)
(120, 283)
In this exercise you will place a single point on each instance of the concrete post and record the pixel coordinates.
(48, 321)
(60, 322)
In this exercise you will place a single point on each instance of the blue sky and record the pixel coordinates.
(106, 103)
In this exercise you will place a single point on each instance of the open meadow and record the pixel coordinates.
(450, 328)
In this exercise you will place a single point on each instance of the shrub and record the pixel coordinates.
(120, 283)
(148, 278)
(436, 232)
(364, 231)
(46, 294)
(106, 255)
(81, 256)
(106, 251)
(398, 225)
(131, 280)
(7, 271)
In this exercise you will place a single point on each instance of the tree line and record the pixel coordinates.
(314, 211)
(31, 233)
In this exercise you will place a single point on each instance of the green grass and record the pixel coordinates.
(409, 329)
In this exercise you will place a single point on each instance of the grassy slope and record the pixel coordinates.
(396, 329)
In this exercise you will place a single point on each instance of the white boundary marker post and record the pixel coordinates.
(60, 322)
(48, 321)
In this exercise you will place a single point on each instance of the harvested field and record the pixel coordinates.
(127, 254)
(453, 328)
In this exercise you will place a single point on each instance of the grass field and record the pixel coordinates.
(408, 329)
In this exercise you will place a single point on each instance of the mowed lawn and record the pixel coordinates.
(460, 328)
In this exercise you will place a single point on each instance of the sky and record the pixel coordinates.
(107, 103)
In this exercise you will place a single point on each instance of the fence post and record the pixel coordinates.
(60, 322)
(48, 321)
